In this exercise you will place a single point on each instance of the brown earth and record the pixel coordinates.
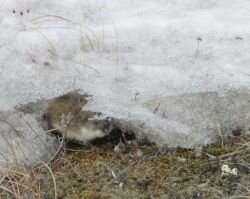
(141, 171)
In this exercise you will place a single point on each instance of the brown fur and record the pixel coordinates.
(83, 127)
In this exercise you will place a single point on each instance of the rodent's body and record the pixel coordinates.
(82, 127)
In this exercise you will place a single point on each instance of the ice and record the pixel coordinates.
(23, 141)
(126, 54)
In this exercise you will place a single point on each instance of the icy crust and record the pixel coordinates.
(187, 120)
(23, 140)
(129, 55)
(191, 119)
(200, 118)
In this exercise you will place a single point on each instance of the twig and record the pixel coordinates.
(157, 108)
(198, 45)
(63, 142)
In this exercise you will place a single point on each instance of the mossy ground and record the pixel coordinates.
(98, 172)
(145, 171)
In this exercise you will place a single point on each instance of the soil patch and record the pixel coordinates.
(132, 170)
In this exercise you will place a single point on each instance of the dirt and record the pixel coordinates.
(143, 171)
(149, 172)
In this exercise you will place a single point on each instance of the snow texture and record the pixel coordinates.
(131, 56)
(22, 140)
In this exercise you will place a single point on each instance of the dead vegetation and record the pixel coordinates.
(136, 170)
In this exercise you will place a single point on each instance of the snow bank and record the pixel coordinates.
(116, 50)
(22, 140)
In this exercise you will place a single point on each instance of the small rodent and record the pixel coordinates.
(83, 127)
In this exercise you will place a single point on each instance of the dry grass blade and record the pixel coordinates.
(16, 131)
(53, 16)
(87, 66)
(11, 147)
(53, 177)
(36, 133)
(49, 131)
(53, 51)
(15, 186)
(244, 187)
(20, 183)
(89, 40)
(6, 189)
(91, 32)
(116, 40)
